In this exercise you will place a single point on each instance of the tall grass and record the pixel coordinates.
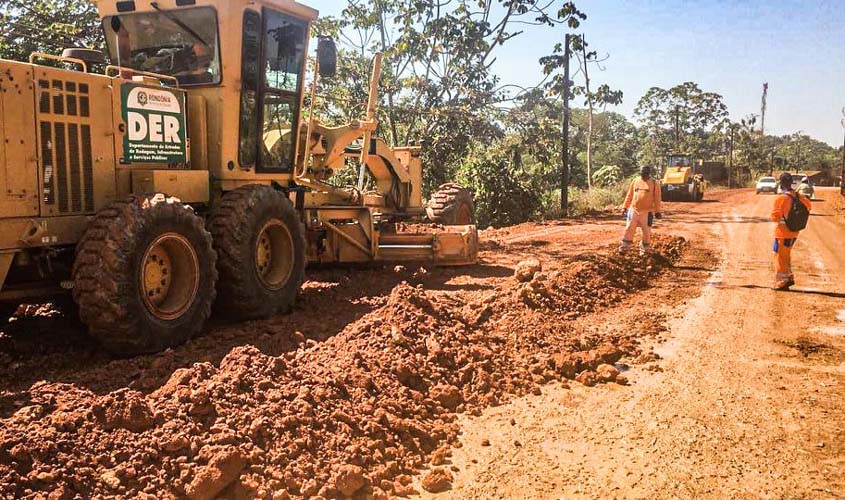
(585, 202)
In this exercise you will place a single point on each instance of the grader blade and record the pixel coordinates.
(450, 246)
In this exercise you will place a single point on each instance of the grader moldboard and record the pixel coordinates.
(184, 173)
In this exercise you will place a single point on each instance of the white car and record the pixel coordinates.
(767, 185)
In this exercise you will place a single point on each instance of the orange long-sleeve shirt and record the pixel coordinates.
(644, 196)
(783, 204)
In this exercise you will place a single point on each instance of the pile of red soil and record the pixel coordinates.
(352, 416)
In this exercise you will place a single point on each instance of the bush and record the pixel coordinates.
(584, 202)
(505, 189)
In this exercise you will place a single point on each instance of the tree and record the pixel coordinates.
(682, 119)
(28, 26)
(751, 150)
(802, 152)
(603, 96)
(438, 57)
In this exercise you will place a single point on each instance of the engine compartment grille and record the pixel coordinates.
(67, 169)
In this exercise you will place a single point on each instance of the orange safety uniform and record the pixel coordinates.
(785, 238)
(642, 202)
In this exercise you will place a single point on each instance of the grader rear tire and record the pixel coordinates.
(451, 205)
(144, 275)
(261, 252)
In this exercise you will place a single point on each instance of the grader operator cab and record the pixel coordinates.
(680, 180)
(185, 172)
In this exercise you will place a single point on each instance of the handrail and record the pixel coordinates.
(298, 173)
(139, 72)
(72, 60)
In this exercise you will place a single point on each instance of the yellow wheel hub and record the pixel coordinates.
(274, 254)
(169, 276)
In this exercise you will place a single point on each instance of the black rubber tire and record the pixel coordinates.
(235, 225)
(451, 205)
(106, 274)
(6, 312)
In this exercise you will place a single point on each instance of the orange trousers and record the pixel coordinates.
(783, 258)
(642, 220)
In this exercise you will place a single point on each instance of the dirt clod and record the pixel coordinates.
(223, 468)
(607, 373)
(437, 480)
(526, 270)
(447, 395)
(350, 479)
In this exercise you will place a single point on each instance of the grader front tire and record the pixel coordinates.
(261, 252)
(144, 275)
(451, 205)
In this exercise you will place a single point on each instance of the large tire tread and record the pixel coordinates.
(105, 276)
(445, 204)
(234, 226)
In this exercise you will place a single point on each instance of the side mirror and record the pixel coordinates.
(327, 57)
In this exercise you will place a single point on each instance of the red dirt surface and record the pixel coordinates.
(350, 395)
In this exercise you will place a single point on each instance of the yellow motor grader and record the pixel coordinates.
(181, 171)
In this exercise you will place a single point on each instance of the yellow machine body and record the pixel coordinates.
(680, 181)
(73, 140)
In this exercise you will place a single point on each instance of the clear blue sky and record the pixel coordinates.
(729, 47)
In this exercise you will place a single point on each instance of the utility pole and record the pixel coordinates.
(590, 116)
(772, 164)
(564, 174)
(731, 161)
(763, 110)
(677, 129)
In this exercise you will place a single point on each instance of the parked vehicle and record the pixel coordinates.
(805, 188)
(767, 185)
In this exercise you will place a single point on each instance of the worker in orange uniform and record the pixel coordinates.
(789, 224)
(642, 205)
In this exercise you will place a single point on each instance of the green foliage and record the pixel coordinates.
(438, 89)
(608, 175)
(508, 186)
(28, 26)
(682, 119)
(596, 200)
(755, 154)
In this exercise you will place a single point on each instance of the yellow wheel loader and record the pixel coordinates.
(181, 171)
(680, 180)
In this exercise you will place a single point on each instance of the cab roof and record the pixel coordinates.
(110, 7)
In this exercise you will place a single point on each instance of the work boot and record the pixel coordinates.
(645, 250)
(625, 246)
(784, 285)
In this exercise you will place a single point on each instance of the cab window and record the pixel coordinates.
(180, 43)
(284, 57)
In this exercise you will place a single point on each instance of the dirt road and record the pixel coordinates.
(748, 402)
(477, 381)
